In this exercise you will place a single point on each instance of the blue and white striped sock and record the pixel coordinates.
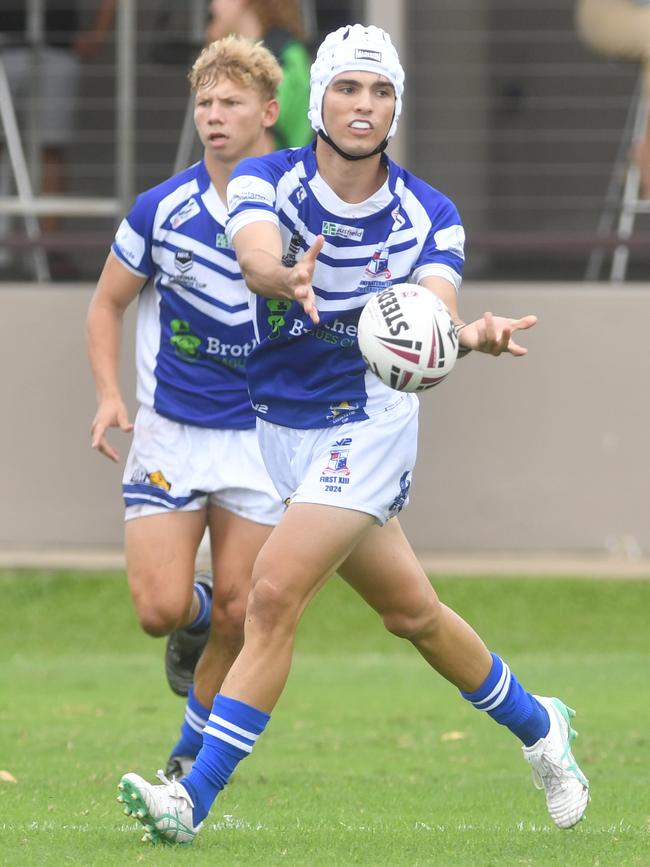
(229, 736)
(506, 701)
(196, 717)
(202, 619)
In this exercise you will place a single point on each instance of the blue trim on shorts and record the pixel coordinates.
(150, 495)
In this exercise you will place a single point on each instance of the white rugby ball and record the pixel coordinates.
(407, 337)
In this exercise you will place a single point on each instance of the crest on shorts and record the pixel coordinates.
(338, 462)
(156, 478)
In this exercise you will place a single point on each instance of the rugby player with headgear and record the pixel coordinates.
(317, 231)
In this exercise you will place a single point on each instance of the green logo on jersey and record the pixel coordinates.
(276, 320)
(338, 230)
(184, 342)
(222, 241)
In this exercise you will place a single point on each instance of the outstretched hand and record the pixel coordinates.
(111, 413)
(493, 334)
(301, 278)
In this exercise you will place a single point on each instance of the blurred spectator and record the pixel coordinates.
(64, 46)
(279, 24)
(621, 29)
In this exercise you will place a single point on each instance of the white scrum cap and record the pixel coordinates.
(355, 47)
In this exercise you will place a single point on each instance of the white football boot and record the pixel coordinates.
(165, 811)
(554, 768)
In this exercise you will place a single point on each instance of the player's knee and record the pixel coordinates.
(158, 616)
(270, 607)
(412, 623)
(159, 621)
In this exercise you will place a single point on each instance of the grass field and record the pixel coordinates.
(369, 759)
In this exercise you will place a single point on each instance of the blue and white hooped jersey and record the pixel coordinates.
(194, 329)
(306, 376)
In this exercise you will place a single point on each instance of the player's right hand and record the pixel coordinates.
(301, 278)
(110, 413)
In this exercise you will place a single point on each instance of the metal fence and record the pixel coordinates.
(505, 111)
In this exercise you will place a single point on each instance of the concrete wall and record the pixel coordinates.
(546, 453)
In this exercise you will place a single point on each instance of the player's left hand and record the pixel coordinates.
(493, 334)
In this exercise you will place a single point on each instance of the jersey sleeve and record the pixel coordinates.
(443, 251)
(133, 239)
(252, 194)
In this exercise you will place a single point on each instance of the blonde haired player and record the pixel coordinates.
(317, 232)
(194, 461)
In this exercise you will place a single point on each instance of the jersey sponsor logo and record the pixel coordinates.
(262, 408)
(156, 478)
(337, 230)
(184, 342)
(183, 259)
(336, 333)
(190, 209)
(215, 346)
(338, 462)
(404, 486)
(235, 199)
(130, 244)
(249, 189)
(222, 242)
(187, 345)
(367, 54)
(277, 307)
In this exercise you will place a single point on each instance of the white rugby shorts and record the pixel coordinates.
(360, 465)
(178, 467)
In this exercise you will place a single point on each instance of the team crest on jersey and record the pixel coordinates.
(190, 209)
(378, 265)
(338, 462)
(183, 259)
(340, 411)
(156, 478)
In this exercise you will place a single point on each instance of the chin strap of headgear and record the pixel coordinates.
(352, 157)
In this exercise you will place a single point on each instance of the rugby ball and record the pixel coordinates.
(407, 337)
